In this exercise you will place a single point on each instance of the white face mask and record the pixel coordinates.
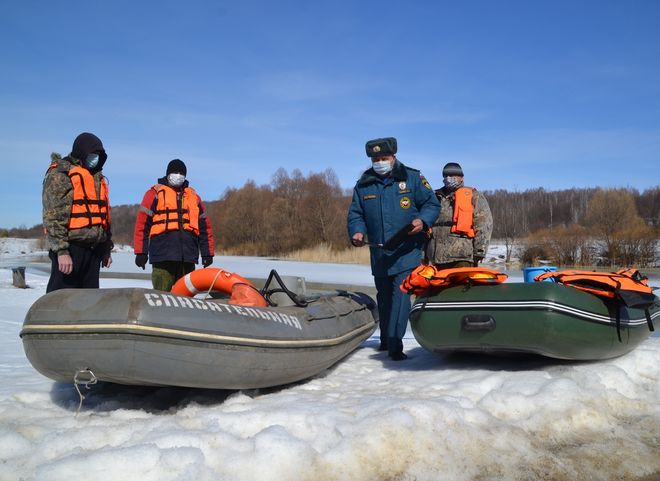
(382, 167)
(176, 180)
(92, 161)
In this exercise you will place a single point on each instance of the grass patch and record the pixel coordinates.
(324, 253)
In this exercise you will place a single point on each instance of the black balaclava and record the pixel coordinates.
(86, 144)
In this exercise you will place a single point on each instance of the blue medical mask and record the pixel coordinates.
(176, 180)
(92, 161)
(452, 182)
(382, 167)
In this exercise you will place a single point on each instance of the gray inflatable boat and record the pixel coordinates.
(145, 337)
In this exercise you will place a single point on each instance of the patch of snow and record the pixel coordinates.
(452, 418)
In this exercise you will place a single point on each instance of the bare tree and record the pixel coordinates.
(612, 217)
(564, 246)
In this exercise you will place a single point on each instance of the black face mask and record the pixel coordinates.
(452, 182)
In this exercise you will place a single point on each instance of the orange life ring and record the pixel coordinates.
(216, 279)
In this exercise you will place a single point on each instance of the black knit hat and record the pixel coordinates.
(452, 169)
(381, 147)
(176, 166)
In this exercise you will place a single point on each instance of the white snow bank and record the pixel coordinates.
(427, 418)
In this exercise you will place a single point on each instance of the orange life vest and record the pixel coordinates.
(425, 277)
(169, 216)
(463, 218)
(88, 208)
(628, 285)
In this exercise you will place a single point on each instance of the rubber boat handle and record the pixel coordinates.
(478, 322)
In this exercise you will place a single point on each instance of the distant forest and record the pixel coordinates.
(295, 211)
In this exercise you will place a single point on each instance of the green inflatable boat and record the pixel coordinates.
(545, 318)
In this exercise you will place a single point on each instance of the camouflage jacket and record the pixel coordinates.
(445, 247)
(57, 198)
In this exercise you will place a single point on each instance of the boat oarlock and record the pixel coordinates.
(426, 277)
(241, 290)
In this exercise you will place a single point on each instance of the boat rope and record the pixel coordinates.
(649, 321)
(618, 322)
(84, 382)
(208, 293)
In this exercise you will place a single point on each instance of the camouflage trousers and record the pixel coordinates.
(451, 265)
(165, 274)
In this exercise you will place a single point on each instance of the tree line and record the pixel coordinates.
(295, 211)
(579, 227)
(291, 213)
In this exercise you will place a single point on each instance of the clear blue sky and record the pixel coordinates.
(523, 94)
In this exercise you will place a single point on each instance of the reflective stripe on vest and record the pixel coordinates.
(463, 219)
(170, 216)
(88, 208)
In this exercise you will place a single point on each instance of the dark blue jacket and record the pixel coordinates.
(381, 206)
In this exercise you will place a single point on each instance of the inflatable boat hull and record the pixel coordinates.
(146, 337)
(541, 318)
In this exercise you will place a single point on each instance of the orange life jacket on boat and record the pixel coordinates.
(627, 285)
(463, 218)
(168, 216)
(425, 277)
(88, 208)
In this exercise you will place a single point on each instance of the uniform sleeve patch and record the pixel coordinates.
(425, 182)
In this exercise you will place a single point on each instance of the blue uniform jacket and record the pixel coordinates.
(382, 206)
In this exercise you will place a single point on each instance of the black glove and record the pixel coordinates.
(106, 249)
(477, 260)
(207, 260)
(357, 243)
(141, 260)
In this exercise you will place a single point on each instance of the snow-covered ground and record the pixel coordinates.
(367, 418)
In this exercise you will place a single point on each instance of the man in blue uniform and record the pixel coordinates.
(388, 198)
